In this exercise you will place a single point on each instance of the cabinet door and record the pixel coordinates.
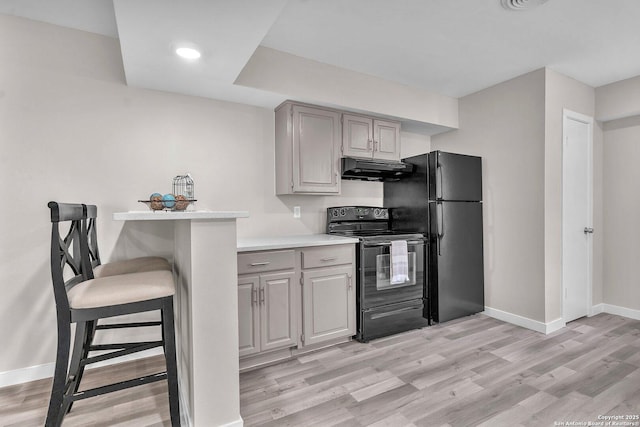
(316, 155)
(329, 304)
(277, 311)
(386, 137)
(357, 136)
(248, 315)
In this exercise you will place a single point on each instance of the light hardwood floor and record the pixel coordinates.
(475, 371)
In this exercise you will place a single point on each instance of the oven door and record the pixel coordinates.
(376, 286)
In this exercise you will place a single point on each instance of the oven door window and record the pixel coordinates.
(383, 272)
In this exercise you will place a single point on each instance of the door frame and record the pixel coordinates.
(572, 115)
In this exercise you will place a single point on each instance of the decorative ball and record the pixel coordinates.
(169, 200)
(156, 202)
(181, 202)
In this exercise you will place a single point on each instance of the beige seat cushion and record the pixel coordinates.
(135, 265)
(122, 289)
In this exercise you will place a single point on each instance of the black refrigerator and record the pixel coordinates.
(443, 200)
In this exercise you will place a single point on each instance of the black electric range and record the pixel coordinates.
(385, 304)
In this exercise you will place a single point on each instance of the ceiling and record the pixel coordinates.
(452, 48)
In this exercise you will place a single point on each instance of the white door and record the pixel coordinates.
(577, 215)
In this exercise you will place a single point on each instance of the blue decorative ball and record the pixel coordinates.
(169, 200)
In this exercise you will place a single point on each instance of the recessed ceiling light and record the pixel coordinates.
(521, 4)
(188, 53)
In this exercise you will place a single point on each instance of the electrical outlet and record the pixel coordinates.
(296, 211)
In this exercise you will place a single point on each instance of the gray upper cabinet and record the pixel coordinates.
(370, 138)
(308, 143)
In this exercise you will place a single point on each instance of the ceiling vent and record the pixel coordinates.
(521, 4)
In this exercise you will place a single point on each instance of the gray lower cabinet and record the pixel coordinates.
(292, 299)
(266, 313)
(328, 304)
(248, 316)
(328, 293)
(267, 302)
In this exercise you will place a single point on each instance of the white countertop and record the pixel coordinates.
(287, 242)
(173, 215)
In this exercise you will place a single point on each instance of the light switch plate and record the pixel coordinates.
(296, 211)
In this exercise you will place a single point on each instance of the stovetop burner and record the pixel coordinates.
(364, 222)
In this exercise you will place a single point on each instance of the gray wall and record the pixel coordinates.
(618, 106)
(622, 212)
(516, 126)
(505, 124)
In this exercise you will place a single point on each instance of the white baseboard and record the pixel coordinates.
(237, 423)
(525, 322)
(621, 311)
(554, 325)
(596, 309)
(38, 372)
(547, 328)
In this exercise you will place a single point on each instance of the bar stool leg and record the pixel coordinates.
(54, 413)
(169, 338)
(85, 332)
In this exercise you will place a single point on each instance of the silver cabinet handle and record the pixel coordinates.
(257, 264)
(262, 295)
(332, 258)
(254, 298)
(588, 230)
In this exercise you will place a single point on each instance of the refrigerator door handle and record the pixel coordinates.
(440, 218)
(438, 180)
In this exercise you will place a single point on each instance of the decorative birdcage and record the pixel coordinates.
(183, 186)
(179, 200)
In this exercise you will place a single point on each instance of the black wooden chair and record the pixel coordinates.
(133, 265)
(83, 300)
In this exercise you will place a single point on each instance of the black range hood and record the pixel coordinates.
(374, 170)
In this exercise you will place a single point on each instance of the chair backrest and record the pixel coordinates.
(92, 237)
(68, 268)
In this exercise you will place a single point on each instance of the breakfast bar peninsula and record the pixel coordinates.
(205, 269)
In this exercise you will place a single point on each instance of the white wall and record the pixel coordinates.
(505, 125)
(72, 131)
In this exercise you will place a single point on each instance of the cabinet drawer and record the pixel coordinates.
(326, 256)
(257, 262)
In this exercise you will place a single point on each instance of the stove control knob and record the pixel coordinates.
(376, 213)
(342, 212)
(335, 213)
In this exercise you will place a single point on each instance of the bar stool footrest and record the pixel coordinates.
(118, 386)
(127, 350)
(128, 325)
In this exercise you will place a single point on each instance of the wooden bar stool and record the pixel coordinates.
(134, 265)
(83, 300)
